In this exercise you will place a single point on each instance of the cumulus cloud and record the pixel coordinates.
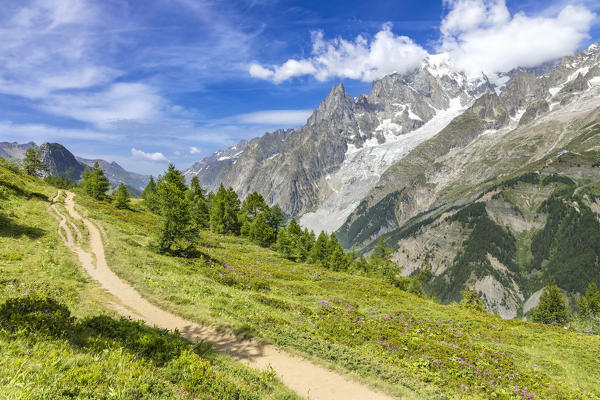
(361, 59)
(482, 36)
(141, 155)
(195, 150)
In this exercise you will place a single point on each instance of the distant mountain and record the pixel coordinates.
(115, 173)
(14, 150)
(211, 168)
(60, 161)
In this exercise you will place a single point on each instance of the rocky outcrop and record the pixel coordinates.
(60, 162)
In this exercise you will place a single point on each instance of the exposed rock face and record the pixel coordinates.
(60, 162)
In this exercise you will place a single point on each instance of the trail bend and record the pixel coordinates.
(301, 375)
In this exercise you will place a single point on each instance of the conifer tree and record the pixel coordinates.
(552, 308)
(149, 189)
(148, 194)
(589, 305)
(294, 228)
(224, 209)
(380, 262)
(94, 183)
(260, 232)
(319, 252)
(32, 164)
(122, 196)
(338, 261)
(173, 207)
(252, 207)
(276, 218)
(284, 244)
(198, 204)
(304, 245)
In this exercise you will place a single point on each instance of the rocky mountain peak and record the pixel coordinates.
(338, 105)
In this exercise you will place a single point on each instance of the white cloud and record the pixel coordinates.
(360, 59)
(478, 35)
(195, 150)
(42, 133)
(274, 117)
(482, 36)
(48, 45)
(157, 157)
(119, 102)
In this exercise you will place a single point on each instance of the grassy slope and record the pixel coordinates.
(390, 338)
(34, 261)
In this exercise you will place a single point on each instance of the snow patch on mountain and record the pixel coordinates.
(362, 168)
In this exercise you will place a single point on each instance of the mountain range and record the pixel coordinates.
(478, 182)
(59, 161)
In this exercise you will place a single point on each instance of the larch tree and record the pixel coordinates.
(122, 196)
(32, 165)
(95, 183)
(176, 228)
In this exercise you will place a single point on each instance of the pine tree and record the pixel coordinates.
(319, 252)
(284, 244)
(276, 218)
(149, 189)
(122, 196)
(32, 164)
(252, 207)
(552, 308)
(174, 210)
(224, 209)
(295, 233)
(149, 196)
(338, 260)
(94, 183)
(589, 305)
(260, 232)
(304, 245)
(198, 204)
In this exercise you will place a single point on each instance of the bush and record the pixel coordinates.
(36, 315)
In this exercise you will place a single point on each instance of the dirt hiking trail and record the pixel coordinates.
(304, 377)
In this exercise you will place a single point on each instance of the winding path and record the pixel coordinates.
(305, 377)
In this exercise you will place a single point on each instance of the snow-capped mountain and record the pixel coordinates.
(322, 170)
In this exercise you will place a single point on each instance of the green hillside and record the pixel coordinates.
(407, 345)
(58, 341)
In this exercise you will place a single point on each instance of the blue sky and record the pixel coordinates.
(148, 82)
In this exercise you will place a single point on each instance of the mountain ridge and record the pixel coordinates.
(60, 161)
